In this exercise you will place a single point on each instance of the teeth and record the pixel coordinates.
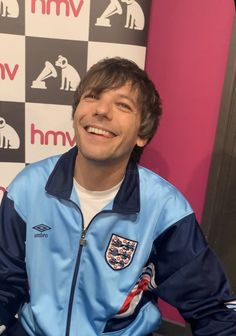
(97, 131)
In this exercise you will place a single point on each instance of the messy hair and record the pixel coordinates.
(112, 73)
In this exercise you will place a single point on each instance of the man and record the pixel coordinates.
(89, 240)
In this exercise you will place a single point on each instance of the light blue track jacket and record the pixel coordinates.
(105, 280)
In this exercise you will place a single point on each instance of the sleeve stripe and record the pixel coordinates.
(231, 305)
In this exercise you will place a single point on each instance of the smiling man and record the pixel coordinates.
(89, 240)
(107, 129)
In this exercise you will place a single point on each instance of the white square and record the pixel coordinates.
(100, 50)
(67, 19)
(49, 130)
(12, 68)
(7, 172)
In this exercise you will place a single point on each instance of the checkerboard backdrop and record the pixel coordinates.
(46, 46)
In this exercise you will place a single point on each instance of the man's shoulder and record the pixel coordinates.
(34, 173)
(154, 181)
(160, 193)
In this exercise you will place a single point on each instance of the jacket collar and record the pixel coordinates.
(60, 183)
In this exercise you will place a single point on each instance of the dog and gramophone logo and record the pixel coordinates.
(12, 127)
(120, 21)
(12, 16)
(56, 69)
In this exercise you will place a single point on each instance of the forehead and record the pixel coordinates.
(127, 90)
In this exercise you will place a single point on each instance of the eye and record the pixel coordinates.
(90, 95)
(124, 106)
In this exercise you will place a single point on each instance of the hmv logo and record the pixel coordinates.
(47, 7)
(51, 137)
(7, 72)
(9, 139)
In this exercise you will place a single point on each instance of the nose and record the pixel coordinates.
(104, 107)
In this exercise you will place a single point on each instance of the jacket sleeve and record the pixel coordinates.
(13, 277)
(190, 277)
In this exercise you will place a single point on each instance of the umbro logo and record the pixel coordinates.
(41, 228)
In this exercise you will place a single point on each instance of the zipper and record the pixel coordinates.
(82, 243)
(72, 291)
(76, 270)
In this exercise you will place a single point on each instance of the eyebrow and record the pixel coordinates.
(128, 98)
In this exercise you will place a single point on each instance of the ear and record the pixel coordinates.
(141, 142)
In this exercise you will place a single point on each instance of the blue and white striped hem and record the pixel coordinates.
(231, 305)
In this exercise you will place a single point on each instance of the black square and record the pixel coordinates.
(53, 69)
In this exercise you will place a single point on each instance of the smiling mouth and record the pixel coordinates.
(98, 131)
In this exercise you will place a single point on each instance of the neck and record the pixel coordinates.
(98, 176)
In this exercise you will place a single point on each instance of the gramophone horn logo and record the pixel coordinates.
(113, 8)
(47, 72)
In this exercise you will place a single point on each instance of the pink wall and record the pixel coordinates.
(186, 58)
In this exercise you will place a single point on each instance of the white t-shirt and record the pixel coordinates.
(92, 202)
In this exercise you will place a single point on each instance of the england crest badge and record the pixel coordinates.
(120, 252)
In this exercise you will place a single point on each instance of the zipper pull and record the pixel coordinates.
(82, 239)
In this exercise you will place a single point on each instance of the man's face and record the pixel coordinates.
(106, 125)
